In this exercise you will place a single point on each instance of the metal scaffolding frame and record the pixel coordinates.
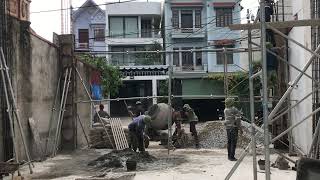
(268, 118)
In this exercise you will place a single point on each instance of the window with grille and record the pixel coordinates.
(198, 57)
(187, 59)
(223, 17)
(99, 34)
(83, 35)
(221, 56)
(186, 19)
(197, 19)
(175, 18)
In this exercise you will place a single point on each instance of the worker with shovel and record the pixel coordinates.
(232, 122)
(136, 132)
(192, 118)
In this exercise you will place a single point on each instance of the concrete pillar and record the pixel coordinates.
(68, 129)
(139, 26)
(154, 90)
(194, 60)
(152, 28)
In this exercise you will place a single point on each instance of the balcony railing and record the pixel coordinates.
(136, 62)
(193, 32)
(144, 34)
(191, 68)
(82, 45)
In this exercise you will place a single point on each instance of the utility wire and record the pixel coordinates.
(80, 7)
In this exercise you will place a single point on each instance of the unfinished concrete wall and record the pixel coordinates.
(34, 66)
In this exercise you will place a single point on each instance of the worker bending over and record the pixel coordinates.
(136, 132)
(192, 118)
(177, 119)
(232, 122)
(102, 114)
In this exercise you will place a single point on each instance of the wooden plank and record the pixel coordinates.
(114, 133)
(118, 133)
(126, 145)
(116, 136)
(125, 142)
(278, 25)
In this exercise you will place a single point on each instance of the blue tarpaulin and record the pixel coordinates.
(96, 92)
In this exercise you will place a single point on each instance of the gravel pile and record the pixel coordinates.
(214, 135)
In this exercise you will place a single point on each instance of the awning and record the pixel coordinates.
(187, 4)
(223, 4)
(150, 67)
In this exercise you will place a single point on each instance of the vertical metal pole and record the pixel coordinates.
(314, 140)
(225, 71)
(63, 110)
(15, 112)
(253, 139)
(61, 18)
(265, 88)
(92, 105)
(52, 115)
(169, 102)
(15, 147)
(287, 80)
(60, 112)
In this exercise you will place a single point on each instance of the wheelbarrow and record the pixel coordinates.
(7, 168)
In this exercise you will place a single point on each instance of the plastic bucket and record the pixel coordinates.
(261, 164)
(131, 165)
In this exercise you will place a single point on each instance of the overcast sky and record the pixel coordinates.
(45, 23)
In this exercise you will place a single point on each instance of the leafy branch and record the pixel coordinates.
(110, 75)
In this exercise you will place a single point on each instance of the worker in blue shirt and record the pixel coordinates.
(136, 132)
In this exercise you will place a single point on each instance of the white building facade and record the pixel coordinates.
(302, 135)
(136, 26)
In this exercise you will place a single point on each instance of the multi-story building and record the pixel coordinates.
(123, 27)
(221, 14)
(88, 26)
(136, 26)
(200, 24)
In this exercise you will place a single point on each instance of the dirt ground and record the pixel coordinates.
(181, 164)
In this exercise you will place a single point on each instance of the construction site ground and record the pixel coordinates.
(181, 164)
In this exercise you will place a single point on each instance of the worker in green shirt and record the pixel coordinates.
(232, 123)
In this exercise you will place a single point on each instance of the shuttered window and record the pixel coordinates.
(223, 17)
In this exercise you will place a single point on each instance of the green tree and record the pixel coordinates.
(110, 75)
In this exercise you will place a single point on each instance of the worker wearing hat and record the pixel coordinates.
(192, 118)
(136, 132)
(138, 110)
(232, 123)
